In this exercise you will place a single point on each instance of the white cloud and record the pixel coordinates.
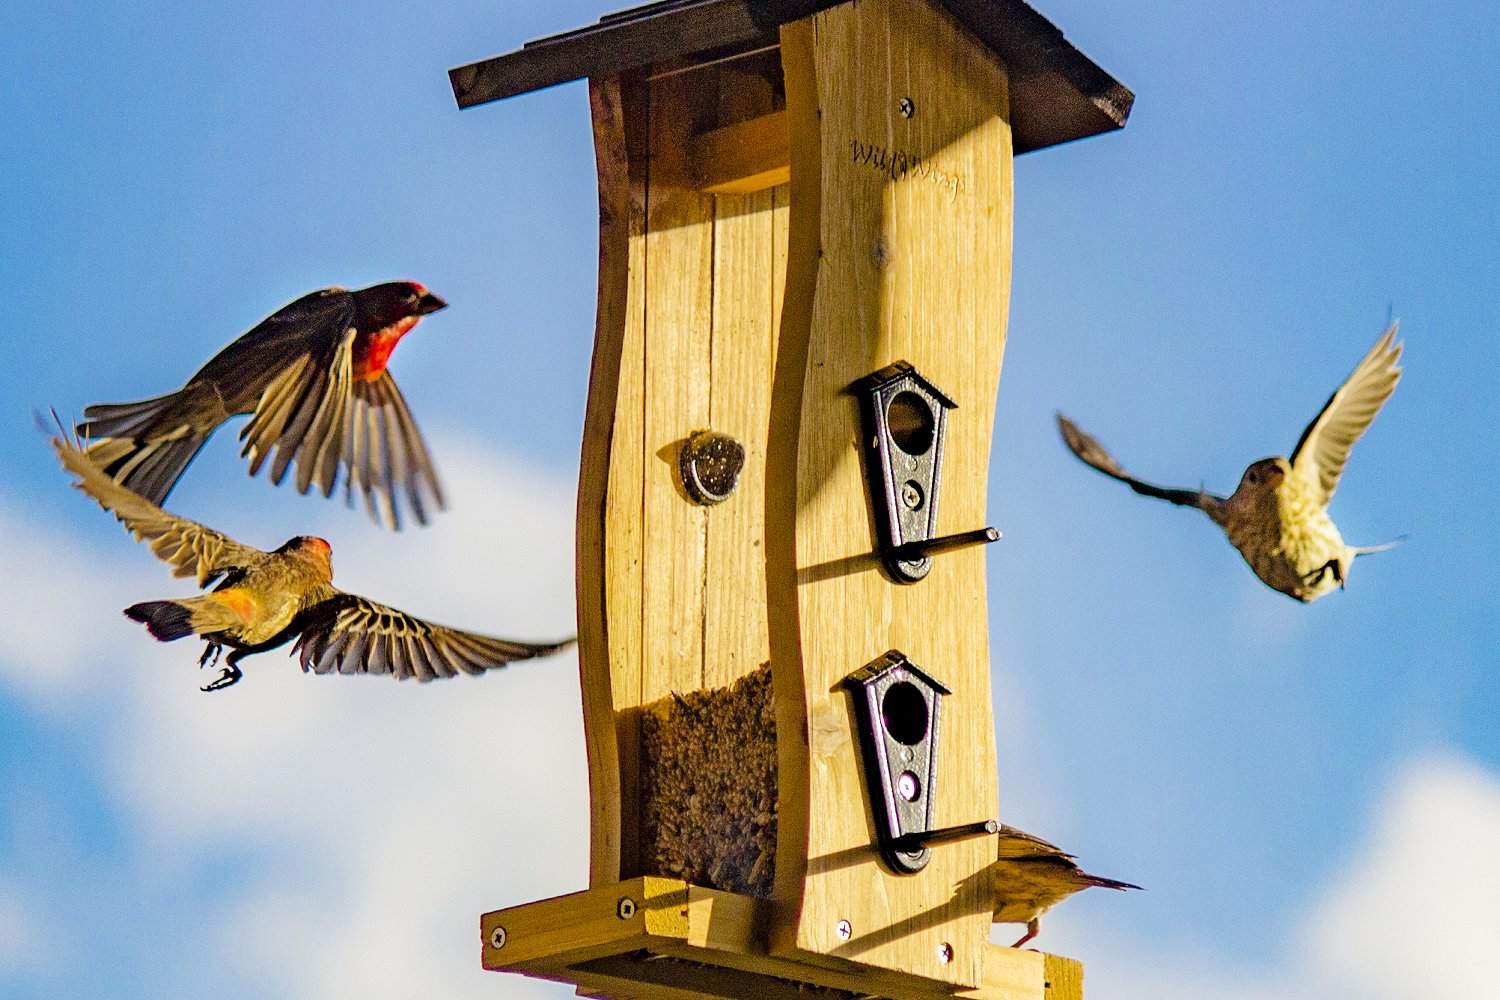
(21, 931)
(1415, 912)
(62, 604)
(1411, 915)
(380, 818)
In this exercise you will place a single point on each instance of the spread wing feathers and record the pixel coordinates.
(384, 451)
(347, 634)
(319, 415)
(1092, 453)
(191, 548)
(1324, 447)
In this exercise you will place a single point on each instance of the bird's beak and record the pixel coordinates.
(429, 303)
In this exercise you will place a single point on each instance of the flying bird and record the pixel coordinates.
(1278, 516)
(265, 599)
(1030, 876)
(313, 377)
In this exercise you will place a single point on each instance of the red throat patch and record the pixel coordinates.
(373, 352)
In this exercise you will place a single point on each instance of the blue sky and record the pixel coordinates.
(1190, 290)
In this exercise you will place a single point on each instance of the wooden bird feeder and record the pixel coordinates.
(804, 272)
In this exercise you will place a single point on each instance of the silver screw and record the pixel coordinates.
(906, 107)
(844, 930)
(625, 908)
(945, 953)
(497, 938)
(911, 495)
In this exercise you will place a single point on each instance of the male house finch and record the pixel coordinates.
(1030, 876)
(1278, 516)
(313, 374)
(264, 599)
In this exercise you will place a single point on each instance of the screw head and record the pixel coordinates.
(844, 930)
(497, 938)
(906, 107)
(945, 953)
(911, 494)
(625, 908)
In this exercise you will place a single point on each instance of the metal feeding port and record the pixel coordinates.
(904, 419)
(897, 705)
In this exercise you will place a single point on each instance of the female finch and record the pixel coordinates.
(1278, 517)
(265, 599)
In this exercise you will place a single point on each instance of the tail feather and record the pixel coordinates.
(1108, 883)
(146, 446)
(123, 419)
(1364, 550)
(166, 620)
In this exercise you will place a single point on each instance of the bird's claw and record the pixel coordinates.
(210, 655)
(1314, 577)
(227, 676)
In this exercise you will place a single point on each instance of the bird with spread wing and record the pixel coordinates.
(314, 380)
(1278, 516)
(1030, 876)
(264, 599)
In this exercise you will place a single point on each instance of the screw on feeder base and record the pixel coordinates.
(844, 930)
(945, 953)
(625, 908)
(497, 938)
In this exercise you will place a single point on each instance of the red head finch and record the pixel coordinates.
(1278, 517)
(264, 599)
(313, 377)
(1030, 876)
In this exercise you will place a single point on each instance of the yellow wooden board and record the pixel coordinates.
(907, 257)
(656, 937)
(671, 594)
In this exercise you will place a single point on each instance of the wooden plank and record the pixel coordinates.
(1064, 978)
(1012, 974)
(552, 932)
(614, 844)
(804, 191)
(679, 320)
(747, 156)
(911, 261)
(743, 352)
(576, 938)
(594, 654)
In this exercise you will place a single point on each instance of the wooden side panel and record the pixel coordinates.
(911, 261)
(671, 593)
(609, 507)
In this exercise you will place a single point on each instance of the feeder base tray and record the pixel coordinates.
(665, 939)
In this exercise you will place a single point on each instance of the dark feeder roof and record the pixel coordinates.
(1057, 93)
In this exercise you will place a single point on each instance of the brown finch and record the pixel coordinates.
(313, 377)
(1278, 516)
(264, 599)
(1030, 876)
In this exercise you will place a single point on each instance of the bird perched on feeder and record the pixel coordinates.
(313, 376)
(1278, 516)
(264, 599)
(1030, 876)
